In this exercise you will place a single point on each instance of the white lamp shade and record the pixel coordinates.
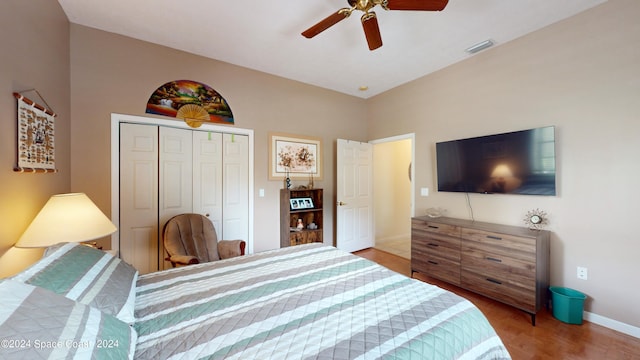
(66, 218)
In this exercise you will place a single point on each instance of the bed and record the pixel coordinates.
(303, 302)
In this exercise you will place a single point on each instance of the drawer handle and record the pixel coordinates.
(433, 227)
(493, 259)
(432, 262)
(494, 281)
(494, 237)
(433, 244)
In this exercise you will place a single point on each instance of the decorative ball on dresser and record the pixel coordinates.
(536, 219)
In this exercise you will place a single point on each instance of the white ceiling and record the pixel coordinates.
(265, 35)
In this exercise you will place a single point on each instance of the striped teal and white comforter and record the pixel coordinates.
(304, 302)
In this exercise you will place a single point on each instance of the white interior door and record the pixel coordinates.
(354, 195)
(138, 229)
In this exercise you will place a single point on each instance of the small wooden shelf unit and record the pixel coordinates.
(289, 217)
(509, 264)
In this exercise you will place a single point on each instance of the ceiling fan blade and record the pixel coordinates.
(327, 22)
(420, 5)
(371, 30)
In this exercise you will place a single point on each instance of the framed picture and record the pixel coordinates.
(306, 202)
(298, 157)
(295, 205)
(301, 203)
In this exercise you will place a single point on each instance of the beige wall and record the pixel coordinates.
(392, 190)
(34, 53)
(116, 74)
(581, 75)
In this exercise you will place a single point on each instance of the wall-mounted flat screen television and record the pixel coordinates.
(519, 162)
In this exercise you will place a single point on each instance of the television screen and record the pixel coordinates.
(519, 162)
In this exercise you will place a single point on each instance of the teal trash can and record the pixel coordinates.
(568, 304)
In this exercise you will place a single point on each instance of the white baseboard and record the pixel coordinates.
(612, 324)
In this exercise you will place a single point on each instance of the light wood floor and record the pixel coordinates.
(549, 339)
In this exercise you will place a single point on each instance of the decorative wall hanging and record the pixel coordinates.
(295, 157)
(36, 145)
(191, 101)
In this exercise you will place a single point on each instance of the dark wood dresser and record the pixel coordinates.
(507, 263)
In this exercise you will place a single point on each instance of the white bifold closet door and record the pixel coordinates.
(175, 191)
(197, 172)
(235, 185)
(139, 196)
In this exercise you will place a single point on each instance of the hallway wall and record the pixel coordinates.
(392, 191)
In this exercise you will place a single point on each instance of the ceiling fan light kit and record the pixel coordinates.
(369, 19)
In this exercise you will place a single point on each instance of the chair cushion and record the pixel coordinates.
(184, 259)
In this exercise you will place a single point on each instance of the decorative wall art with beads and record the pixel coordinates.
(36, 145)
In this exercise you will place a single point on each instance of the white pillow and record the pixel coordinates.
(87, 275)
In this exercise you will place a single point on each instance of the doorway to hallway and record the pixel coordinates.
(393, 193)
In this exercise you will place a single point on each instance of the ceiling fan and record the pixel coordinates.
(369, 20)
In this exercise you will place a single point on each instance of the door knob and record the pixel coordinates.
(340, 203)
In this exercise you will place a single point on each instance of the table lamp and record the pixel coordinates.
(66, 218)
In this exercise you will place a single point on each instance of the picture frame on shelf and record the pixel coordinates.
(294, 204)
(306, 203)
(301, 203)
(294, 156)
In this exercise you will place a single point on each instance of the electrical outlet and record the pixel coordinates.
(582, 273)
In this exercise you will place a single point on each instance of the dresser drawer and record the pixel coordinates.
(435, 227)
(438, 245)
(505, 269)
(437, 267)
(504, 254)
(483, 238)
(499, 289)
